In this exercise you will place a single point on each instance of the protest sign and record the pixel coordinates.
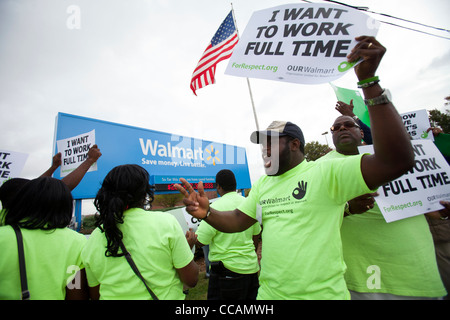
(11, 164)
(74, 151)
(417, 123)
(300, 43)
(419, 190)
(360, 109)
(191, 221)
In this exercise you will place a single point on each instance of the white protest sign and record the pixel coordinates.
(301, 43)
(419, 190)
(11, 164)
(417, 123)
(74, 151)
(191, 221)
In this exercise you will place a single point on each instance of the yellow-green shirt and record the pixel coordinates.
(301, 212)
(396, 257)
(235, 250)
(158, 247)
(52, 258)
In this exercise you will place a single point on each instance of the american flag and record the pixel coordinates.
(220, 48)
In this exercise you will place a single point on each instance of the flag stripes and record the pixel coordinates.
(204, 73)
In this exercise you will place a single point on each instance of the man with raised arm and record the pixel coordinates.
(300, 203)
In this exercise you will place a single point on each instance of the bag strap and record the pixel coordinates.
(22, 268)
(136, 270)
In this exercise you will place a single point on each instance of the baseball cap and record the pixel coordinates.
(281, 128)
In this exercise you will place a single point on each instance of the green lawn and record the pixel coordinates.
(199, 292)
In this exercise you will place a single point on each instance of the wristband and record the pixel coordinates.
(368, 82)
(207, 213)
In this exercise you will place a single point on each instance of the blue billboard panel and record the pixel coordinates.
(167, 157)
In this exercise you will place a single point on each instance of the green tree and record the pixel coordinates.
(437, 118)
(314, 150)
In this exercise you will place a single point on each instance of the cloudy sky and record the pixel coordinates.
(131, 62)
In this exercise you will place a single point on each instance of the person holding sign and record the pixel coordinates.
(439, 221)
(154, 239)
(9, 188)
(384, 260)
(300, 203)
(42, 210)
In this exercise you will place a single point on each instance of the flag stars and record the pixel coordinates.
(225, 30)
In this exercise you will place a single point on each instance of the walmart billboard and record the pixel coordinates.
(167, 157)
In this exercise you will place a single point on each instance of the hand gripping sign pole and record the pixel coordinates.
(248, 81)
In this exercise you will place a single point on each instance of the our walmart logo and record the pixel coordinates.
(212, 154)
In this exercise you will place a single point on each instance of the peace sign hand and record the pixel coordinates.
(197, 203)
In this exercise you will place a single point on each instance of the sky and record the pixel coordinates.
(131, 62)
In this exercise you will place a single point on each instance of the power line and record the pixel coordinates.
(387, 15)
(431, 34)
(366, 9)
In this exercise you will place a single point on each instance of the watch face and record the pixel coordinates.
(385, 97)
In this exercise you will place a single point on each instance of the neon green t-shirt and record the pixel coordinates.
(301, 212)
(52, 258)
(235, 250)
(158, 247)
(396, 257)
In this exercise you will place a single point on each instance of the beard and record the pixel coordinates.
(277, 163)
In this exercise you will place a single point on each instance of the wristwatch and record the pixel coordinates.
(385, 97)
(207, 213)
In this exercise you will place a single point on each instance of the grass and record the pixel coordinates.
(200, 291)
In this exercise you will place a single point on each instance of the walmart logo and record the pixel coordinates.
(212, 154)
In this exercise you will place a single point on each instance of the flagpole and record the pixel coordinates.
(248, 81)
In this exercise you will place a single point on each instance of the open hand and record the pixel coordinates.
(345, 109)
(197, 203)
(191, 238)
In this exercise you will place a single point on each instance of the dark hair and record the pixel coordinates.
(9, 189)
(226, 179)
(42, 203)
(124, 187)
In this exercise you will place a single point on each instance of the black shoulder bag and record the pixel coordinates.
(136, 270)
(22, 268)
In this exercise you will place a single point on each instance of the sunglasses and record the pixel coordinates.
(347, 124)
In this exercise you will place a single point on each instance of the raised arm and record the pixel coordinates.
(74, 178)
(56, 162)
(197, 205)
(393, 154)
